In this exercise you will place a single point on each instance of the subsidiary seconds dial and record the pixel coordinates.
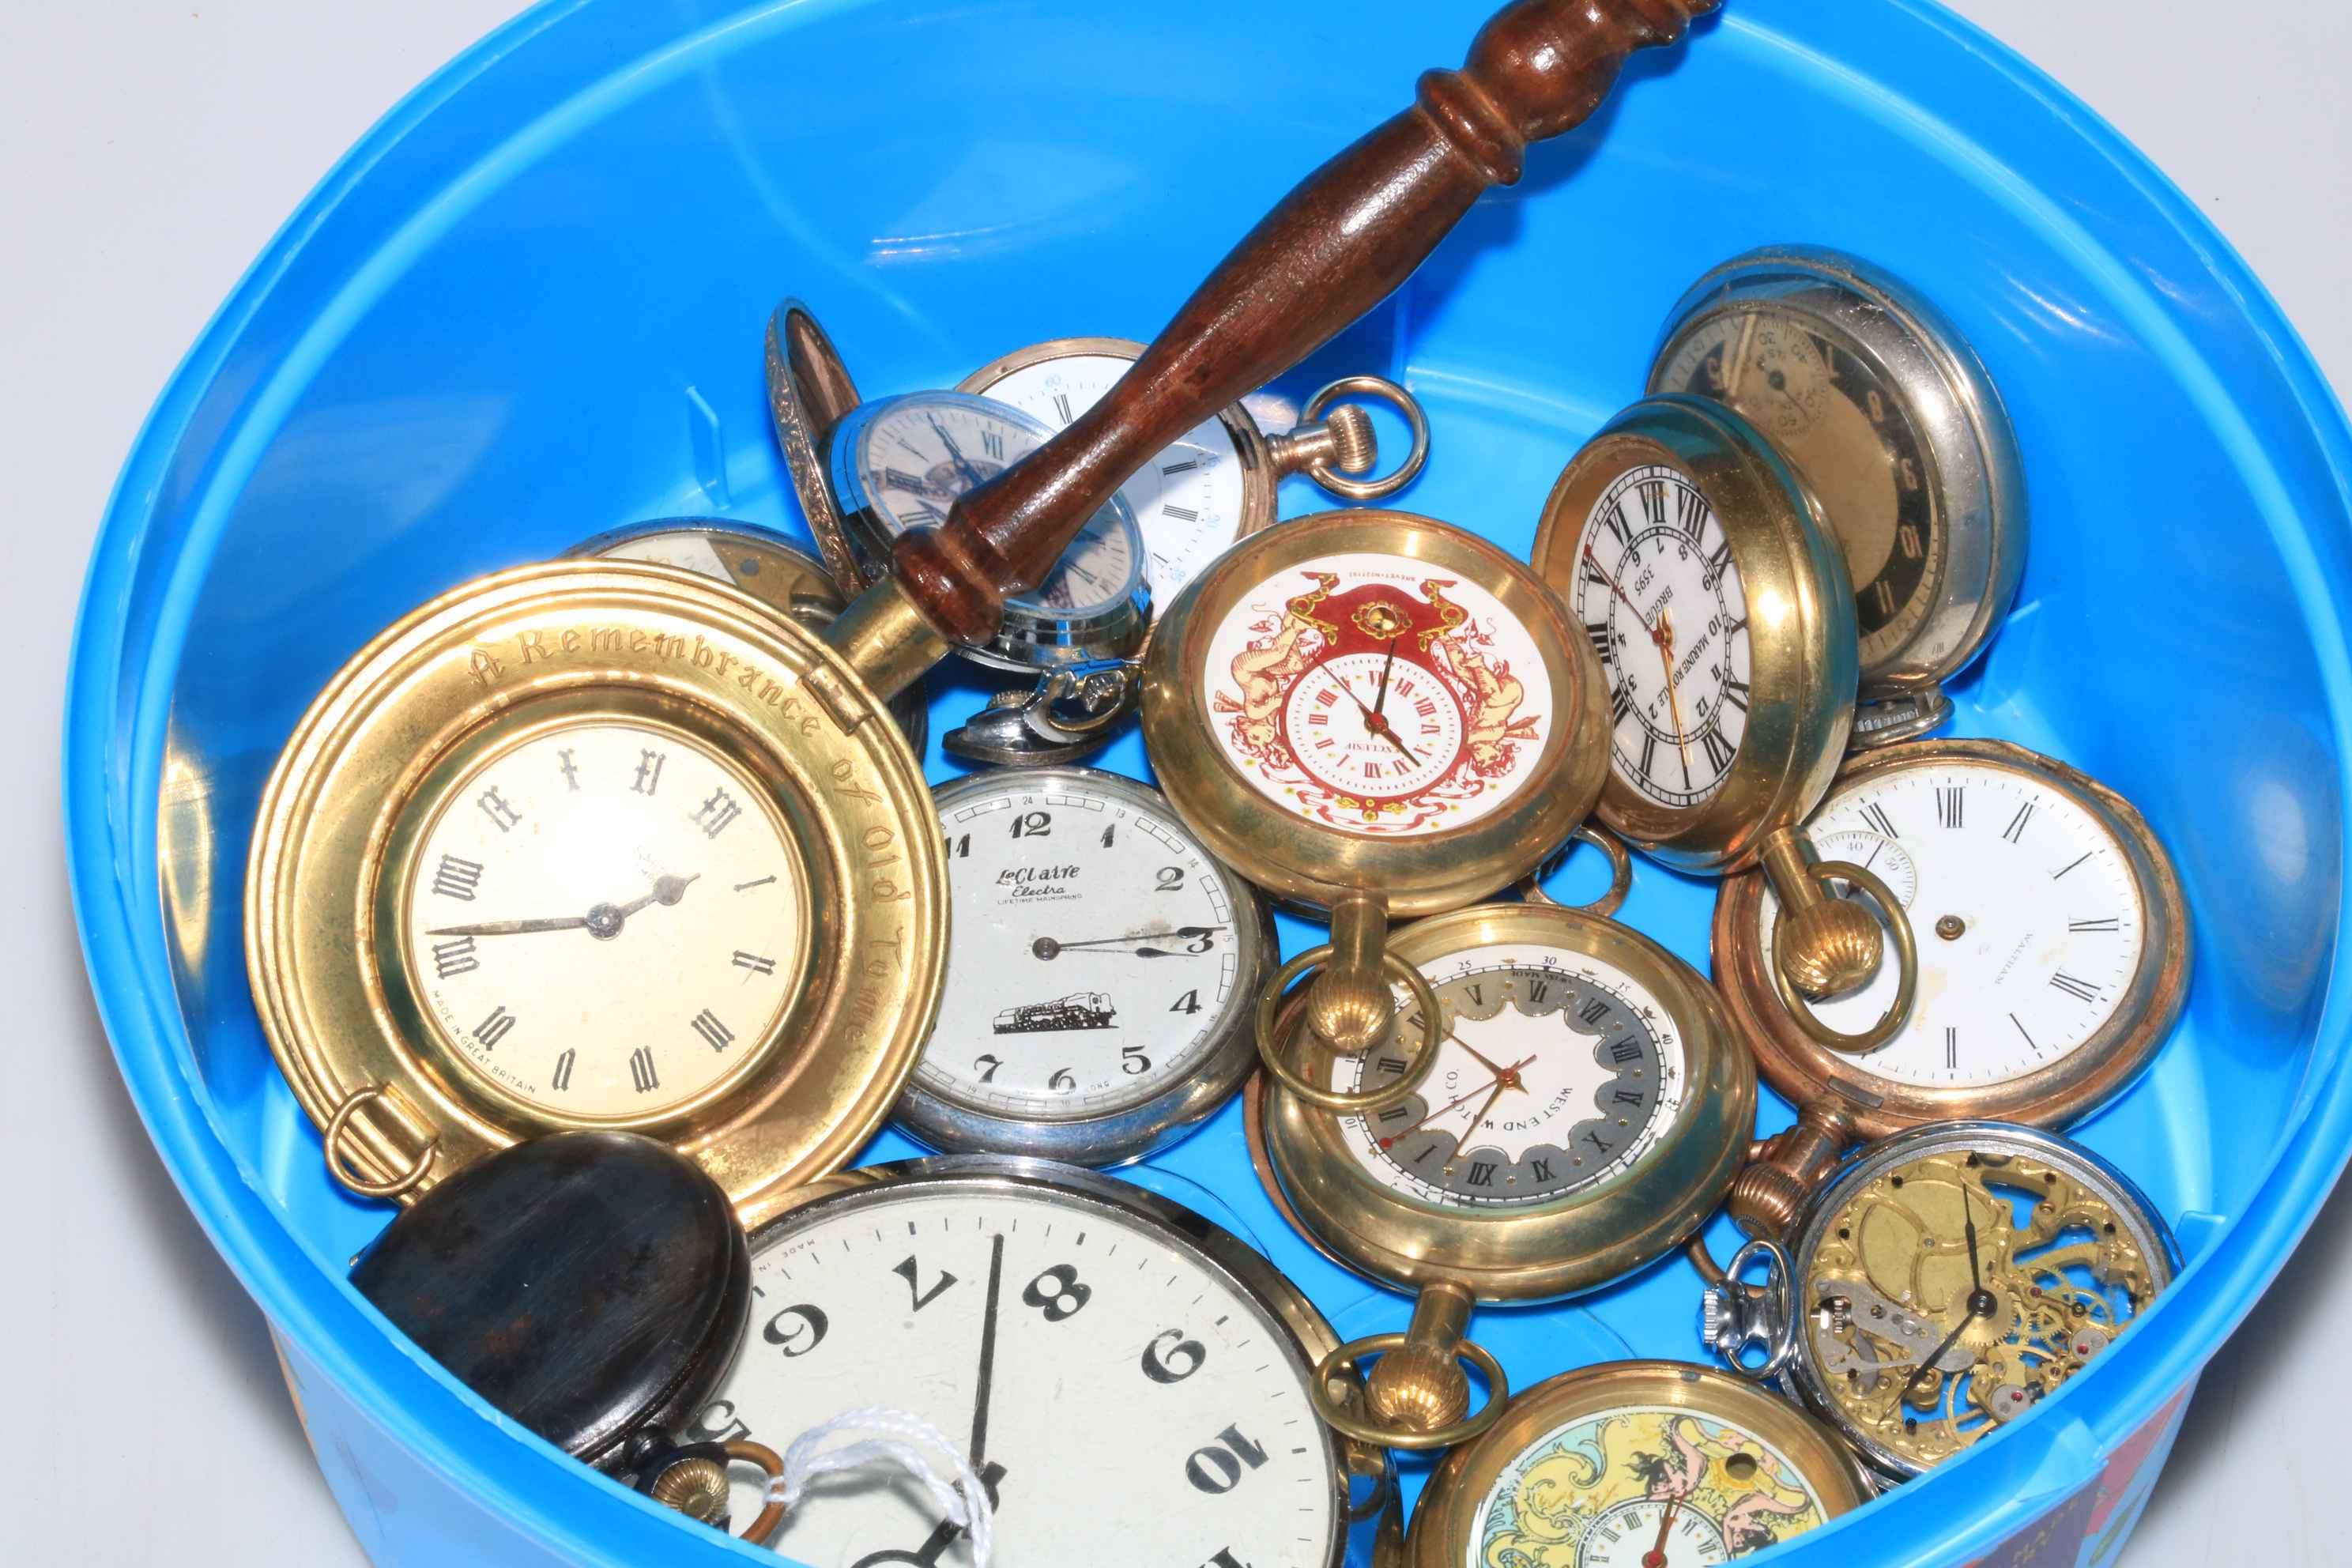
(1100, 972)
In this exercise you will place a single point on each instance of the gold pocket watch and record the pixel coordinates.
(2054, 955)
(1716, 597)
(1380, 715)
(1587, 1106)
(598, 844)
(1217, 484)
(1636, 1463)
(771, 570)
(1949, 1279)
(1874, 396)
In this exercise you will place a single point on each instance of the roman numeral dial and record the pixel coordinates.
(605, 921)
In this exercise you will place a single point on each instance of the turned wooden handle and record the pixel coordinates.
(1335, 247)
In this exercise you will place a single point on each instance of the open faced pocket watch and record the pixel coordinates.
(2054, 955)
(1950, 1278)
(1380, 715)
(1095, 1342)
(1873, 394)
(1218, 483)
(1715, 598)
(1636, 1463)
(599, 844)
(771, 570)
(1103, 972)
(1587, 1108)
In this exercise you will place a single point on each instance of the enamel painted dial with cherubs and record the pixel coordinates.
(1644, 1464)
(1378, 714)
(1588, 1108)
(1102, 974)
(1132, 1382)
(1710, 588)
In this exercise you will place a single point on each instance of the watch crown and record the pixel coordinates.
(696, 1488)
(1713, 1309)
(1354, 450)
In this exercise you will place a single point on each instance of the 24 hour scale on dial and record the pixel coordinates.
(1555, 1072)
(1188, 500)
(1661, 599)
(1121, 1401)
(2026, 913)
(1094, 955)
(605, 921)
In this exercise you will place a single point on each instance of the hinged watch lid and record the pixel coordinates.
(590, 1285)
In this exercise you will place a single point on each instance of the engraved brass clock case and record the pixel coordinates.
(1799, 631)
(2079, 1082)
(512, 658)
(1558, 1491)
(1875, 396)
(1454, 1255)
(1947, 1281)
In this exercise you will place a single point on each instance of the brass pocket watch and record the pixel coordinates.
(599, 844)
(2053, 954)
(1217, 484)
(1380, 715)
(1586, 1107)
(771, 570)
(1103, 972)
(1636, 1463)
(1716, 597)
(1874, 396)
(866, 472)
(1949, 1279)
(1094, 1341)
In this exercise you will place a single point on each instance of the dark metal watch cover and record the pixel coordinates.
(587, 1284)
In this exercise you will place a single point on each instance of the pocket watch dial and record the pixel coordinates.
(1188, 500)
(1856, 438)
(605, 921)
(915, 458)
(1123, 1401)
(2024, 906)
(1366, 693)
(1097, 950)
(1947, 1290)
(1557, 1072)
(1643, 1487)
(1661, 600)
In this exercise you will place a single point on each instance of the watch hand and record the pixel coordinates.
(603, 921)
(511, 928)
(1508, 1076)
(1655, 1557)
(987, 1374)
(1968, 1220)
(1381, 700)
(1421, 1121)
(1665, 638)
(955, 453)
(1639, 619)
(1047, 947)
(1981, 1304)
(1373, 722)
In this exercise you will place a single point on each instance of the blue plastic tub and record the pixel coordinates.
(528, 308)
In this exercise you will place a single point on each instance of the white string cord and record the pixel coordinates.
(958, 1494)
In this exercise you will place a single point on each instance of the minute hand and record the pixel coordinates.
(511, 928)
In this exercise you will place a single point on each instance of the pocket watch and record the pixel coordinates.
(1103, 972)
(1218, 482)
(1873, 395)
(1097, 1343)
(1586, 1107)
(2053, 951)
(1717, 600)
(771, 570)
(1635, 1464)
(1950, 1278)
(1380, 715)
(599, 844)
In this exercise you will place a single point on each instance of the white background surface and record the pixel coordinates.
(149, 151)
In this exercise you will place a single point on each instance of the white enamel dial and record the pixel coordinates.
(916, 457)
(1661, 598)
(1123, 1400)
(607, 919)
(2025, 909)
(1189, 501)
(1368, 693)
(1096, 949)
(1643, 1486)
(1557, 1072)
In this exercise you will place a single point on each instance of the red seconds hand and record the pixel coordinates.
(1465, 1100)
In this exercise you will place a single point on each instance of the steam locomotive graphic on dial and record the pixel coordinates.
(1078, 1010)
